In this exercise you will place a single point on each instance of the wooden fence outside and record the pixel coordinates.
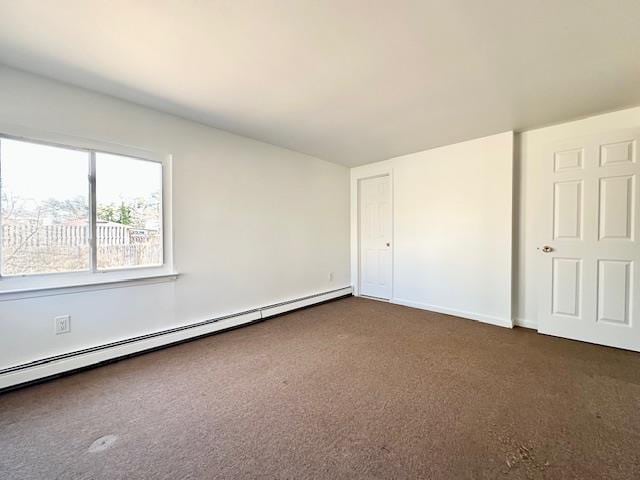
(52, 248)
(69, 235)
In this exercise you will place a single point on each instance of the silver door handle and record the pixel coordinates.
(547, 249)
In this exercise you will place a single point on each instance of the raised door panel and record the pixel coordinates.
(615, 291)
(567, 210)
(371, 218)
(568, 160)
(566, 287)
(371, 270)
(616, 212)
(618, 153)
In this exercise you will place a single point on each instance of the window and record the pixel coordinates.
(64, 209)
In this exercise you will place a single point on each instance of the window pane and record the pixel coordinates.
(129, 211)
(44, 208)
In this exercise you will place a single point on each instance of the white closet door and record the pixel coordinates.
(374, 196)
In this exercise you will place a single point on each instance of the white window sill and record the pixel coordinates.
(85, 286)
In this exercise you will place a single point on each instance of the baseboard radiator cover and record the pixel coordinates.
(57, 365)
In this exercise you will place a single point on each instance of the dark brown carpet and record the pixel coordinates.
(350, 389)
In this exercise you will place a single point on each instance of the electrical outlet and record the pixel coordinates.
(331, 276)
(62, 324)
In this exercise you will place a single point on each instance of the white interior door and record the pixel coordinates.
(374, 201)
(590, 252)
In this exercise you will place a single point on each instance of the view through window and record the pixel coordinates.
(129, 211)
(45, 206)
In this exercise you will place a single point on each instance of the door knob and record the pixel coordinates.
(388, 244)
(547, 249)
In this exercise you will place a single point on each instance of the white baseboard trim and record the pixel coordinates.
(48, 367)
(500, 322)
(521, 322)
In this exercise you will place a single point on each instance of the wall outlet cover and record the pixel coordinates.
(62, 324)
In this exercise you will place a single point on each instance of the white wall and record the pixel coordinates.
(527, 200)
(452, 231)
(253, 224)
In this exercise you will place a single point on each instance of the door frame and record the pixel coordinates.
(356, 179)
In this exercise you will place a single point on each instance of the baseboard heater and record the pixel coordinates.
(57, 365)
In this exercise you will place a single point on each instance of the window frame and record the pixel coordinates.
(94, 275)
